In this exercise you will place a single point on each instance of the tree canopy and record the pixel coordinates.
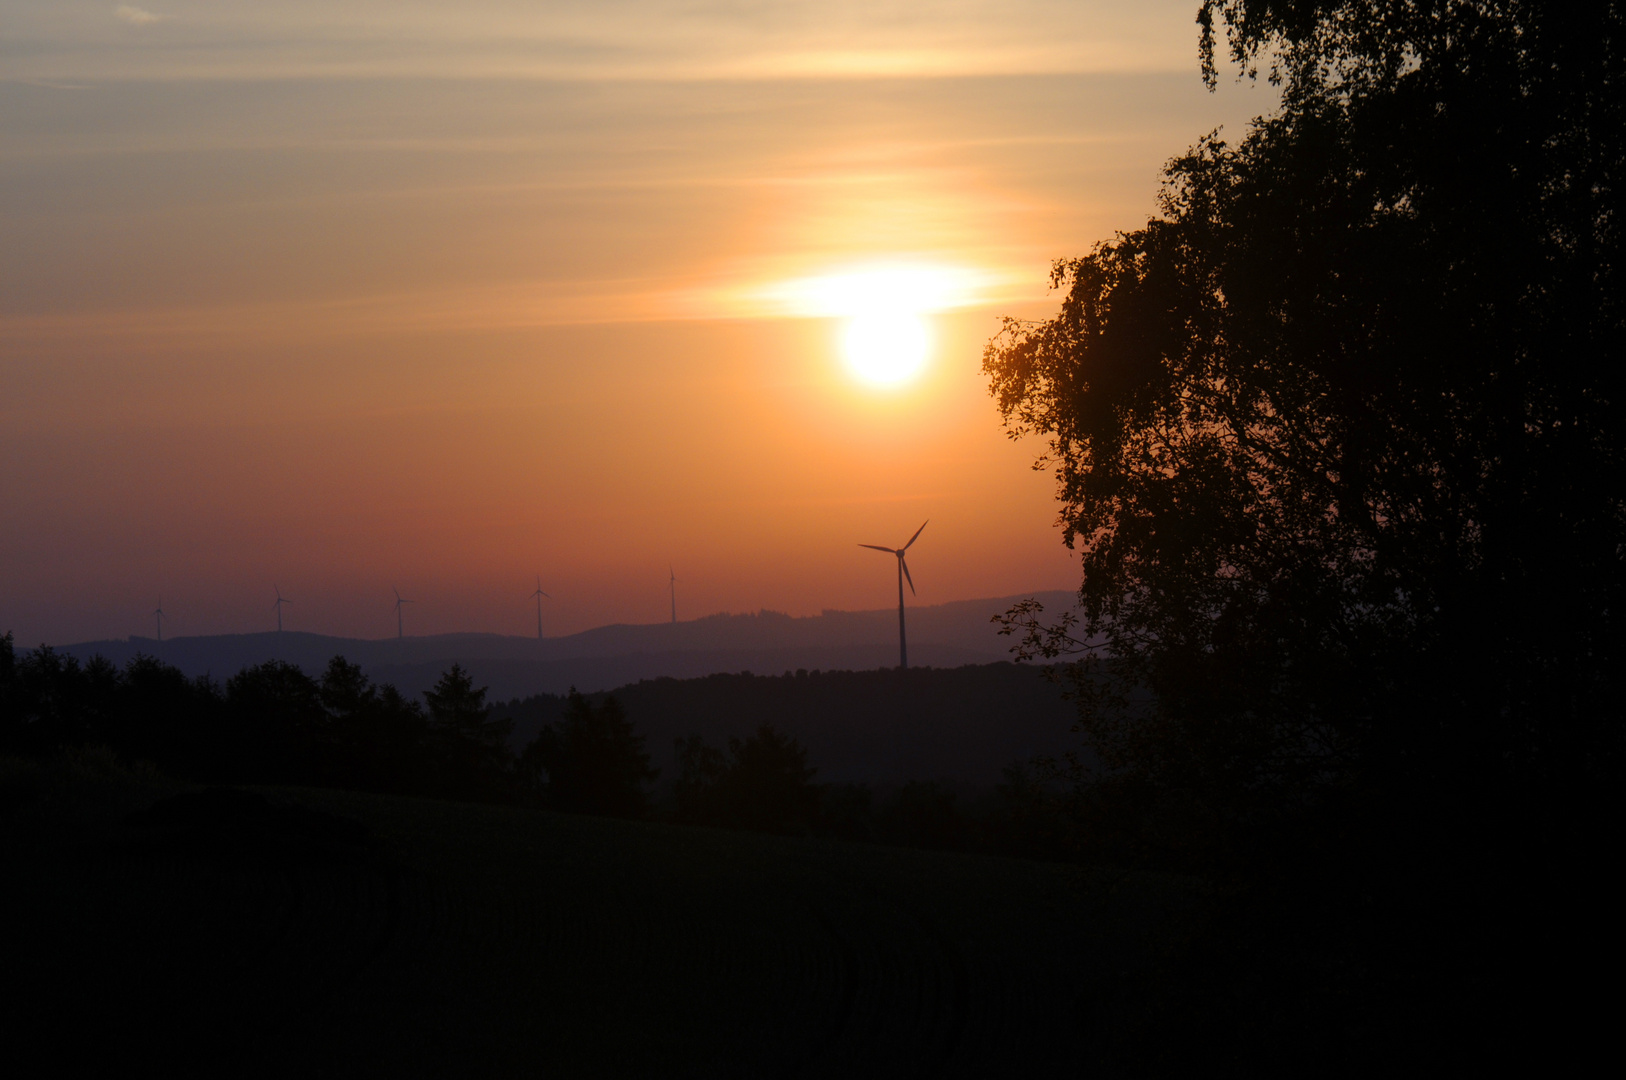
(1337, 434)
(593, 761)
(762, 782)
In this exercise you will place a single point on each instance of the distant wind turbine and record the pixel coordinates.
(903, 572)
(537, 596)
(281, 600)
(400, 626)
(672, 584)
(158, 617)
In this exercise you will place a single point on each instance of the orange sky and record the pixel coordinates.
(442, 297)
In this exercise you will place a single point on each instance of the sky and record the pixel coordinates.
(444, 298)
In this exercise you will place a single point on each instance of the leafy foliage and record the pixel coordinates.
(1338, 437)
(1338, 433)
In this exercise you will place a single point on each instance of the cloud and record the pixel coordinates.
(52, 84)
(139, 16)
(611, 40)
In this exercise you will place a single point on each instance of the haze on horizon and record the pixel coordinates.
(440, 298)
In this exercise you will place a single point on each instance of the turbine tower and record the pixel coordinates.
(537, 596)
(672, 584)
(400, 626)
(903, 572)
(281, 600)
(158, 617)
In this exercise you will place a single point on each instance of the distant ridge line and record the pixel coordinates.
(924, 611)
(948, 634)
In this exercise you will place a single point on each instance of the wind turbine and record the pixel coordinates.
(281, 600)
(672, 584)
(400, 626)
(903, 572)
(158, 617)
(537, 596)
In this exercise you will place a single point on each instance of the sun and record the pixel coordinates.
(886, 348)
(886, 333)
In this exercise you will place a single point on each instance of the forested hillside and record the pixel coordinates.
(963, 724)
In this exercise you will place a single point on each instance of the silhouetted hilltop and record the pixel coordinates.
(942, 635)
(963, 724)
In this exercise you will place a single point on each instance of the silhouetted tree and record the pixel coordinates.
(380, 740)
(8, 672)
(281, 726)
(51, 702)
(763, 783)
(11, 721)
(700, 767)
(44, 697)
(592, 762)
(1339, 438)
(1339, 435)
(271, 723)
(164, 717)
(345, 690)
(456, 706)
(471, 745)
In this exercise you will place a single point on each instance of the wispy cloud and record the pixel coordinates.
(52, 84)
(139, 16)
(613, 40)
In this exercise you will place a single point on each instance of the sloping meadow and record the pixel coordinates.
(281, 930)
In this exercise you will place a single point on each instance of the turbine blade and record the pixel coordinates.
(918, 531)
(906, 576)
(878, 547)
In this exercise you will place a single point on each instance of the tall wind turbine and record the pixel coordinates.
(672, 584)
(903, 572)
(537, 596)
(400, 626)
(158, 617)
(281, 600)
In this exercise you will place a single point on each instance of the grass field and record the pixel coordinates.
(327, 933)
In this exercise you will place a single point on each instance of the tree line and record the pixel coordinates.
(273, 724)
(268, 724)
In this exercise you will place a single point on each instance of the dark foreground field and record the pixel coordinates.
(314, 932)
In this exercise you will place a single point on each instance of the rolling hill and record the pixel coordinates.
(942, 635)
(962, 725)
(292, 932)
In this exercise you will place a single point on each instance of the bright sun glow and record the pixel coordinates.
(886, 338)
(886, 348)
